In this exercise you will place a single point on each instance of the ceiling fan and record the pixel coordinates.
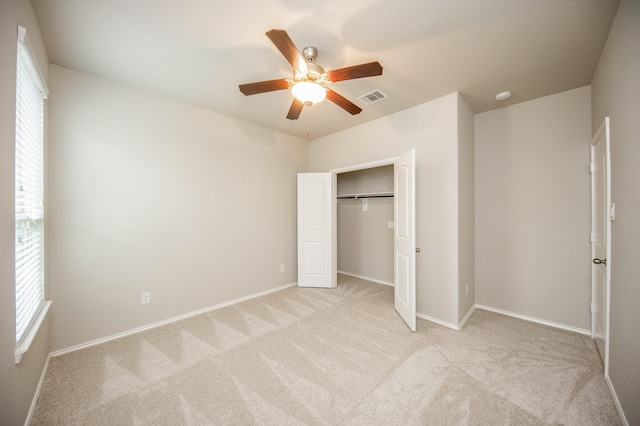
(309, 79)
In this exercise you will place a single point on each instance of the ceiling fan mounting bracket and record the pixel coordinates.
(310, 53)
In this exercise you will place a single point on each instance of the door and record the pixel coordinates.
(405, 238)
(316, 218)
(601, 215)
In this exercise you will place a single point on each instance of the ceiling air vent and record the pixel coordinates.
(372, 97)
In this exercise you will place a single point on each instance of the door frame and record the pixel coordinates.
(334, 174)
(363, 166)
(603, 130)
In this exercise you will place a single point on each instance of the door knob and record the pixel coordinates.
(600, 261)
(418, 250)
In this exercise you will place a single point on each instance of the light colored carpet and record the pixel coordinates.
(338, 356)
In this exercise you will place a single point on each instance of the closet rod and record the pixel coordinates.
(369, 195)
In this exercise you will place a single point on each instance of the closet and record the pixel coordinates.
(365, 223)
(369, 197)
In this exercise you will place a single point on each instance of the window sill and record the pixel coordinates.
(23, 347)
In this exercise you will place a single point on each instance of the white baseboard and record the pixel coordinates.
(623, 418)
(502, 312)
(167, 321)
(466, 317)
(448, 324)
(36, 395)
(362, 277)
(438, 321)
(532, 319)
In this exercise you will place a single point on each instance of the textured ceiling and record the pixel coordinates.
(198, 51)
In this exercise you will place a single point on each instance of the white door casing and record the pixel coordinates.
(316, 221)
(405, 238)
(601, 216)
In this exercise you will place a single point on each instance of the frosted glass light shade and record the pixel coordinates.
(308, 92)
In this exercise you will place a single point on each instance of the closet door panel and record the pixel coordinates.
(405, 238)
(316, 217)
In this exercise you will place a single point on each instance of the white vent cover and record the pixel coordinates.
(372, 97)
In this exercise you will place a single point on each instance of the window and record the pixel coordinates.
(29, 196)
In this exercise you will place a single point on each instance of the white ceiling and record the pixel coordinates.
(198, 51)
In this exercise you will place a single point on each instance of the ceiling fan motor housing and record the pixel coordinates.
(314, 72)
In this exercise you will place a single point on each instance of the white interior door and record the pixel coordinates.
(405, 238)
(316, 221)
(601, 215)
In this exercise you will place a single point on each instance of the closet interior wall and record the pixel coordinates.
(365, 238)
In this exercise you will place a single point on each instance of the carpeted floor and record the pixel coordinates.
(338, 356)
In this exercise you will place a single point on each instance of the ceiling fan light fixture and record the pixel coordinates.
(308, 92)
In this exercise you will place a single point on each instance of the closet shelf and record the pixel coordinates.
(366, 195)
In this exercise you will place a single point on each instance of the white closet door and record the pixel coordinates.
(405, 238)
(601, 216)
(316, 221)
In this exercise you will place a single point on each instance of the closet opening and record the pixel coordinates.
(365, 223)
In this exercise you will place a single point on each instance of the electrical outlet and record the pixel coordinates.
(146, 298)
(282, 268)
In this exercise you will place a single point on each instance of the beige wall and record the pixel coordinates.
(615, 93)
(432, 129)
(153, 195)
(365, 241)
(533, 208)
(17, 382)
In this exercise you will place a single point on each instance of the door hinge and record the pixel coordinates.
(592, 167)
(592, 237)
(593, 307)
(612, 211)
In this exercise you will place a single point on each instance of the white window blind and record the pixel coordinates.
(29, 189)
